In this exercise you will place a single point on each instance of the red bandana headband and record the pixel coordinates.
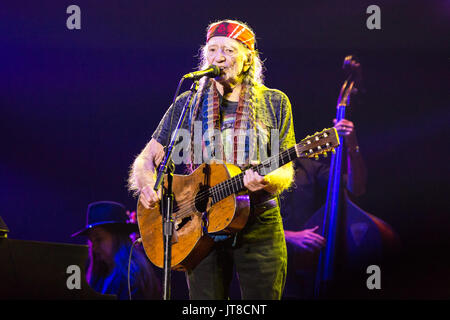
(233, 30)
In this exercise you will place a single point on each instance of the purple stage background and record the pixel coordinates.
(78, 105)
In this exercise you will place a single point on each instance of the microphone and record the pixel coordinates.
(212, 71)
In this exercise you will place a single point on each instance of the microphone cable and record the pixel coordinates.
(139, 240)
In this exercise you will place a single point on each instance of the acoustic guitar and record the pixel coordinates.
(213, 200)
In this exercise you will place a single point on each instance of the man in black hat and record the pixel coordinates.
(108, 231)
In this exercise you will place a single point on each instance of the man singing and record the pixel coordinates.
(248, 117)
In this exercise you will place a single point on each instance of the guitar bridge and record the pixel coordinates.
(181, 223)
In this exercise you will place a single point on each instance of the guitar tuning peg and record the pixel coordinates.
(333, 151)
(316, 157)
(325, 154)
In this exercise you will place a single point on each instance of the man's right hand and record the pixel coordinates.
(148, 197)
(306, 239)
(143, 169)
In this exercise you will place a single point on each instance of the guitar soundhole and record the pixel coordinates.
(201, 199)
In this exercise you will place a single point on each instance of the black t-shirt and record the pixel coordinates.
(227, 120)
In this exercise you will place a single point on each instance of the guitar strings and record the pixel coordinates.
(184, 209)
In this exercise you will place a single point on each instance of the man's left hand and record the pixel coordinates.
(346, 128)
(253, 181)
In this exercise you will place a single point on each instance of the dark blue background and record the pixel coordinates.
(78, 105)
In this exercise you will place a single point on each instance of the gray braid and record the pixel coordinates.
(250, 108)
(202, 88)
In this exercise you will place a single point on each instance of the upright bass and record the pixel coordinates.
(355, 239)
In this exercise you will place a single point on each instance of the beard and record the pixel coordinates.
(100, 267)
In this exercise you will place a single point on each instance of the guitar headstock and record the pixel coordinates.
(318, 144)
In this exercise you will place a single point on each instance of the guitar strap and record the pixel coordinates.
(205, 223)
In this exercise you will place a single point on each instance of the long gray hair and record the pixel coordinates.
(253, 78)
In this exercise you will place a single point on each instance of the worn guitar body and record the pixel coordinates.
(190, 243)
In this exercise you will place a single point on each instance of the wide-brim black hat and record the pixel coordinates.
(107, 212)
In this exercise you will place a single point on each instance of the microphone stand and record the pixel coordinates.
(167, 167)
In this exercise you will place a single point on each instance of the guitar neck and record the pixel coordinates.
(236, 184)
(319, 143)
